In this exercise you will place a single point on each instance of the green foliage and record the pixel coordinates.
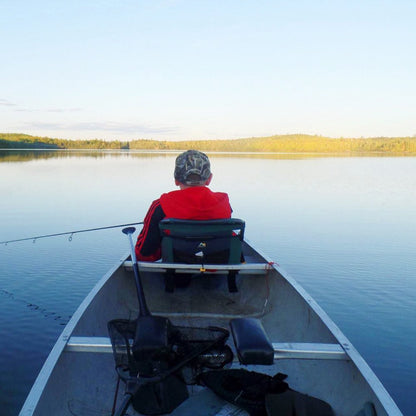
(292, 143)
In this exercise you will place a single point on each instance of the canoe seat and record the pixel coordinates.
(251, 342)
(201, 242)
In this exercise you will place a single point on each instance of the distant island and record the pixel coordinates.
(290, 143)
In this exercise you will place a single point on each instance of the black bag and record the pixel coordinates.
(263, 395)
(161, 397)
(294, 403)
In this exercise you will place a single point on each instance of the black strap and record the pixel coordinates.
(262, 395)
(232, 285)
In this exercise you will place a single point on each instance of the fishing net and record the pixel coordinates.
(121, 333)
(157, 377)
(200, 346)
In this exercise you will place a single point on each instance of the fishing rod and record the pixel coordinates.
(71, 233)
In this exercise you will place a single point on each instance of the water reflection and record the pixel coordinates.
(19, 155)
(29, 155)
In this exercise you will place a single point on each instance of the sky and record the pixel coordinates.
(207, 69)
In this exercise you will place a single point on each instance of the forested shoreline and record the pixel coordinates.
(279, 143)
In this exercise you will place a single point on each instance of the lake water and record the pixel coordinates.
(344, 227)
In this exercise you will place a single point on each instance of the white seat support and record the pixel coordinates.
(89, 344)
(308, 351)
(243, 268)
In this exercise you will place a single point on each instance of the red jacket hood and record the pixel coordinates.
(196, 203)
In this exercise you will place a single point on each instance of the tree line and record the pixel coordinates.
(291, 143)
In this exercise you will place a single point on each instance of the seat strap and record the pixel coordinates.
(232, 285)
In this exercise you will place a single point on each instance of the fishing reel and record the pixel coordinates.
(214, 359)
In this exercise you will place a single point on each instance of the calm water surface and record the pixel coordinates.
(343, 227)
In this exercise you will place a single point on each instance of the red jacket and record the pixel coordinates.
(193, 203)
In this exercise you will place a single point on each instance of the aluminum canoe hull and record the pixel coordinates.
(78, 377)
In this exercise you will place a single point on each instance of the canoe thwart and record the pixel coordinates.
(307, 350)
(89, 344)
(242, 268)
(282, 350)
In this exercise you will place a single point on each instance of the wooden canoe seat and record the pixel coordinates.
(203, 243)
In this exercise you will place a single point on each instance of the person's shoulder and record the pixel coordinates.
(217, 196)
(155, 202)
(208, 189)
(220, 193)
(169, 194)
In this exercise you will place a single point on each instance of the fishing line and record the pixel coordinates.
(62, 320)
(71, 233)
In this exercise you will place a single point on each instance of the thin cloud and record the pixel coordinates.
(112, 127)
(63, 110)
(20, 109)
(49, 110)
(6, 103)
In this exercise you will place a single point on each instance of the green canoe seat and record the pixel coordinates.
(203, 243)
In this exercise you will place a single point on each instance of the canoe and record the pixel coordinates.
(316, 359)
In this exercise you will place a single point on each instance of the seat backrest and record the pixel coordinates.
(204, 242)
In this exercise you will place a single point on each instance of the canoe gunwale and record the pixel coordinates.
(41, 380)
(378, 388)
